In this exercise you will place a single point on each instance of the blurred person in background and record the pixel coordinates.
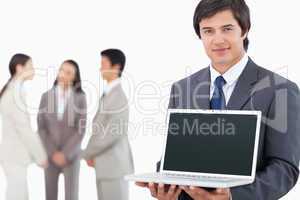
(61, 125)
(20, 144)
(108, 149)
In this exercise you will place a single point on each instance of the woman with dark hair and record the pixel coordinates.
(61, 125)
(20, 145)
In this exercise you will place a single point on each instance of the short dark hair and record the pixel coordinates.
(240, 10)
(116, 57)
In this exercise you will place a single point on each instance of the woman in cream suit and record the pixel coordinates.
(20, 146)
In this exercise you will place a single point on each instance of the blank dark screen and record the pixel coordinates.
(210, 143)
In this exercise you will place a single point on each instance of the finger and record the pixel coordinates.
(141, 184)
(220, 190)
(183, 188)
(161, 190)
(198, 190)
(171, 190)
(187, 190)
(153, 190)
(177, 192)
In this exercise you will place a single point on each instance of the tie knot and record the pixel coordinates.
(220, 82)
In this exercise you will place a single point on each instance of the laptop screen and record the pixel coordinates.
(210, 143)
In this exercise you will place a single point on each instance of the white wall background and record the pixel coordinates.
(161, 47)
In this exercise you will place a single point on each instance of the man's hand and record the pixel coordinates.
(90, 163)
(59, 159)
(198, 193)
(161, 191)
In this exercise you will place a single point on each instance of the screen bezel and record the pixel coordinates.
(239, 112)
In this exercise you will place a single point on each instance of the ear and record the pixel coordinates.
(116, 66)
(19, 68)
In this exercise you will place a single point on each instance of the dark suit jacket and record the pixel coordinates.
(279, 146)
(65, 135)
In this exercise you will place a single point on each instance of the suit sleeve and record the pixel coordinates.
(42, 127)
(106, 134)
(282, 143)
(29, 138)
(80, 126)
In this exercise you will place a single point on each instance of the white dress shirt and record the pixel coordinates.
(109, 86)
(231, 77)
(62, 99)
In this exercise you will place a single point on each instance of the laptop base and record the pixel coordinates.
(205, 182)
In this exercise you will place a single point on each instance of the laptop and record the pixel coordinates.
(208, 148)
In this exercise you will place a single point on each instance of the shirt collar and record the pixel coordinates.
(231, 75)
(111, 85)
(60, 91)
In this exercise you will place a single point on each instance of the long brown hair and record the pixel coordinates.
(77, 81)
(17, 59)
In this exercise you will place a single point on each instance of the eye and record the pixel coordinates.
(207, 31)
(227, 29)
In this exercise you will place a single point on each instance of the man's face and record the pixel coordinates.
(107, 69)
(222, 39)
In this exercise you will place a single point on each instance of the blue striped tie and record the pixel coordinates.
(218, 101)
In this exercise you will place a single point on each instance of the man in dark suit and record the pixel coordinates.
(233, 81)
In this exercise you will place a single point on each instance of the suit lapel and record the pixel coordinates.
(68, 112)
(104, 100)
(52, 101)
(242, 91)
(100, 105)
(201, 90)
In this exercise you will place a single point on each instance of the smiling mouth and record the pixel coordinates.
(220, 50)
